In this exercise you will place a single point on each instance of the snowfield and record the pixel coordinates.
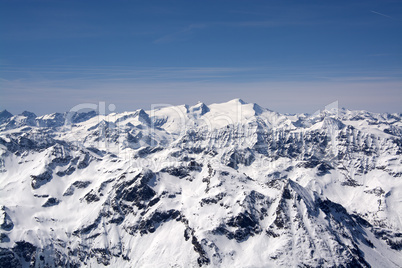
(223, 185)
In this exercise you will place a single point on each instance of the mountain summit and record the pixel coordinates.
(222, 185)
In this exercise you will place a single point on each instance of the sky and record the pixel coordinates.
(288, 56)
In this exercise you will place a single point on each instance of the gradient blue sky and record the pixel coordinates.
(289, 56)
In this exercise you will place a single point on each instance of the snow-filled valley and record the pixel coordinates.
(222, 185)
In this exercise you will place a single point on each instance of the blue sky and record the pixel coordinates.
(289, 56)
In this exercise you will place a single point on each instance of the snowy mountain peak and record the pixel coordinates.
(4, 115)
(199, 109)
(142, 116)
(28, 114)
(258, 109)
(238, 100)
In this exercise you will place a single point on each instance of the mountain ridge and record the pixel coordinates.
(230, 184)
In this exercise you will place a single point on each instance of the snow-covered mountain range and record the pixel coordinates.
(221, 185)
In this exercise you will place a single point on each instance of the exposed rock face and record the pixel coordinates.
(224, 185)
(6, 222)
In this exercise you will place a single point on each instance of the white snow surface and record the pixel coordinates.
(222, 185)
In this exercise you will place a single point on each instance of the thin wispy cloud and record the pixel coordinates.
(383, 55)
(123, 72)
(381, 14)
(281, 96)
(186, 32)
(180, 35)
(135, 88)
(264, 23)
(127, 73)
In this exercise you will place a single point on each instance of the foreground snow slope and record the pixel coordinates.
(229, 184)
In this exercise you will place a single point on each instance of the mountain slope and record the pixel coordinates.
(229, 184)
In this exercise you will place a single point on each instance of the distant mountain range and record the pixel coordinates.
(223, 185)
